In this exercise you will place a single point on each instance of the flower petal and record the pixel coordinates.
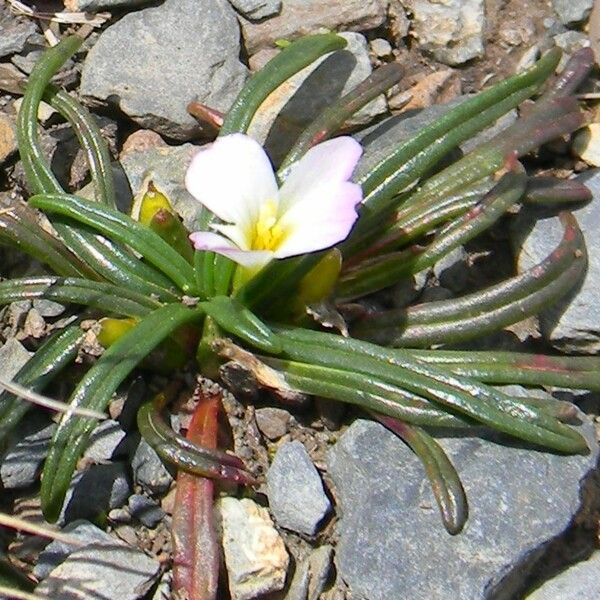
(206, 240)
(232, 177)
(329, 162)
(321, 219)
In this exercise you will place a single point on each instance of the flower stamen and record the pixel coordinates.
(268, 230)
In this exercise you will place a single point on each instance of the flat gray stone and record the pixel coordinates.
(103, 571)
(391, 536)
(149, 471)
(295, 490)
(573, 323)
(57, 551)
(257, 9)
(166, 168)
(301, 17)
(95, 491)
(104, 441)
(48, 308)
(296, 104)
(578, 582)
(311, 575)
(572, 11)
(22, 462)
(153, 62)
(13, 357)
(14, 32)
(452, 31)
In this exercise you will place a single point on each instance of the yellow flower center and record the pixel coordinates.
(268, 232)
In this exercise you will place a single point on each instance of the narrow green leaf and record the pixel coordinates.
(104, 297)
(288, 62)
(50, 359)
(334, 116)
(380, 272)
(234, 318)
(90, 138)
(445, 482)
(38, 172)
(123, 229)
(95, 391)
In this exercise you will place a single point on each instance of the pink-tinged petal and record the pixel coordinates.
(330, 162)
(206, 240)
(321, 220)
(232, 177)
(238, 235)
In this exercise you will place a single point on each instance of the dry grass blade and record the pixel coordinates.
(8, 592)
(35, 529)
(60, 17)
(57, 405)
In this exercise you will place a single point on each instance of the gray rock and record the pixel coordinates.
(452, 270)
(293, 106)
(295, 490)
(391, 536)
(573, 323)
(149, 471)
(570, 41)
(22, 463)
(48, 308)
(257, 9)
(14, 33)
(28, 59)
(13, 356)
(300, 17)
(166, 167)
(163, 589)
(453, 30)
(95, 491)
(145, 510)
(149, 64)
(103, 571)
(311, 575)
(57, 551)
(578, 582)
(572, 11)
(104, 442)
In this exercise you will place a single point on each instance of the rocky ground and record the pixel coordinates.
(350, 513)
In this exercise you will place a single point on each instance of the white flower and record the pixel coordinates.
(314, 209)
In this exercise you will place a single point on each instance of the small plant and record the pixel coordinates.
(268, 246)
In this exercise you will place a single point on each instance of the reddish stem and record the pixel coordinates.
(195, 547)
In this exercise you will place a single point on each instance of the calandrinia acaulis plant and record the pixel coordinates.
(269, 244)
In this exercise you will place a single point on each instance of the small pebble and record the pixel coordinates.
(255, 555)
(145, 510)
(149, 471)
(296, 496)
(381, 48)
(273, 423)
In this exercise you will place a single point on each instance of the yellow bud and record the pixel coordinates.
(148, 202)
(113, 329)
(319, 282)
